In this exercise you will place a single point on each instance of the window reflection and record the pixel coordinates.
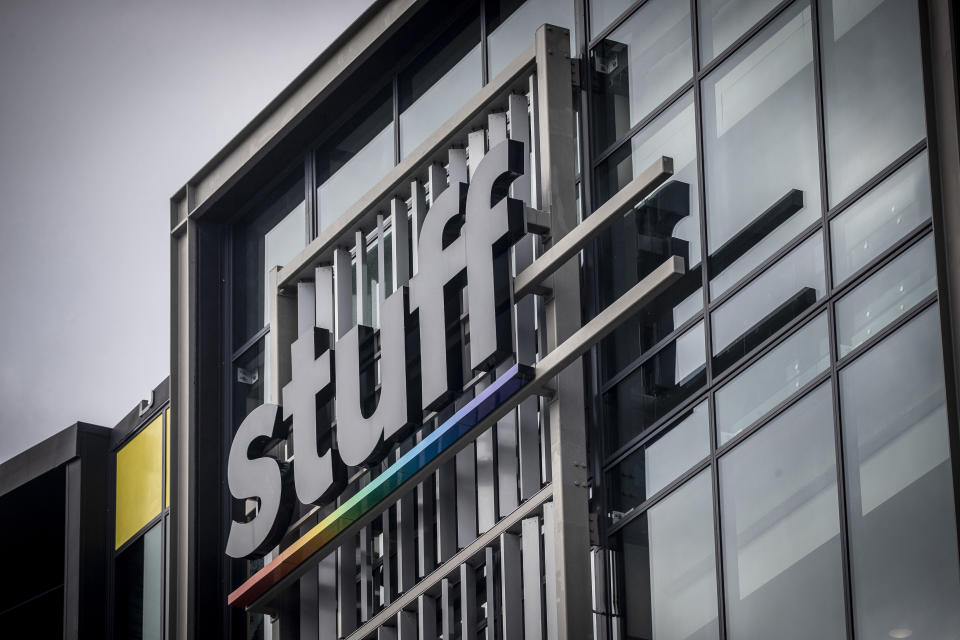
(512, 23)
(273, 233)
(885, 296)
(760, 140)
(350, 165)
(903, 543)
(723, 21)
(666, 223)
(603, 12)
(249, 382)
(772, 379)
(439, 82)
(769, 303)
(638, 66)
(872, 224)
(138, 581)
(669, 569)
(659, 385)
(781, 528)
(659, 462)
(872, 87)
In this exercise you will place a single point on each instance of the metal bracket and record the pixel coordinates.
(537, 221)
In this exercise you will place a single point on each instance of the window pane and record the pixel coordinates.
(513, 23)
(772, 379)
(880, 218)
(886, 295)
(272, 234)
(781, 528)
(444, 77)
(638, 66)
(766, 305)
(872, 87)
(249, 382)
(723, 21)
(661, 383)
(603, 12)
(760, 140)
(137, 612)
(666, 223)
(669, 568)
(903, 544)
(656, 464)
(356, 160)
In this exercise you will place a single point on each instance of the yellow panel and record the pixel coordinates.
(166, 467)
(139, 481)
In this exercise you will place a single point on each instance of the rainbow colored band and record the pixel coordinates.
(384, 487)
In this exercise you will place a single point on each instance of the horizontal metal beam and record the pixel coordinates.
(533, 278)
(525, 510)
(434, 149)
(495, 402)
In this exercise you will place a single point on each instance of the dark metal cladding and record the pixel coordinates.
(251, 474)
(494, 222)
(361, 439)
(319, 475)
(442, 266)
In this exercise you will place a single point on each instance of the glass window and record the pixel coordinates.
(511, 25)
(872, 87)
(903, 544)
(603, 12)
(723, 21)
(772, 379)
(781, 528)
(760, 141)
(356, 160)
(138, 581)
(272, 235)
(439, 82)
(249, 382)
(872, 224)
(781, 293)
(669, 581)
(886, 295)
(656, 387)
(666, 223)
(638, 66)
(659, 462)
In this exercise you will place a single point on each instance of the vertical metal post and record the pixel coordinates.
(532, 586)
(342, 279)
(426, 618)
(283, 329)
(570, 569)
(468, 601)
(511, 586)
(362, 279)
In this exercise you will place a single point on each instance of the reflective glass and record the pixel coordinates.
(872, 87)
(657, 463)
(723, 21)
(511, 25)
(877, 220)
(249, 382)
(138, 584)
(656, 387)
(603, 12)
(781, 293)
(772, 379)
(272, 233)
(356, 160)
(903, 543)
(439, 82)
(886, 295)
(781, 528)
(638, 66)
(664, 224)
(760, 141)
(669, 581)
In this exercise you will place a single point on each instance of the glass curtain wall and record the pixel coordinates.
(773, 446)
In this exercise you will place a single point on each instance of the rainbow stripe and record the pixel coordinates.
(384, 487)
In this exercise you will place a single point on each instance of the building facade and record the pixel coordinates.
(571, 319)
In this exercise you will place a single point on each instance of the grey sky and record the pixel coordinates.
(106, 108)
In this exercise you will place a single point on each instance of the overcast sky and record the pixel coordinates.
(107, 107)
